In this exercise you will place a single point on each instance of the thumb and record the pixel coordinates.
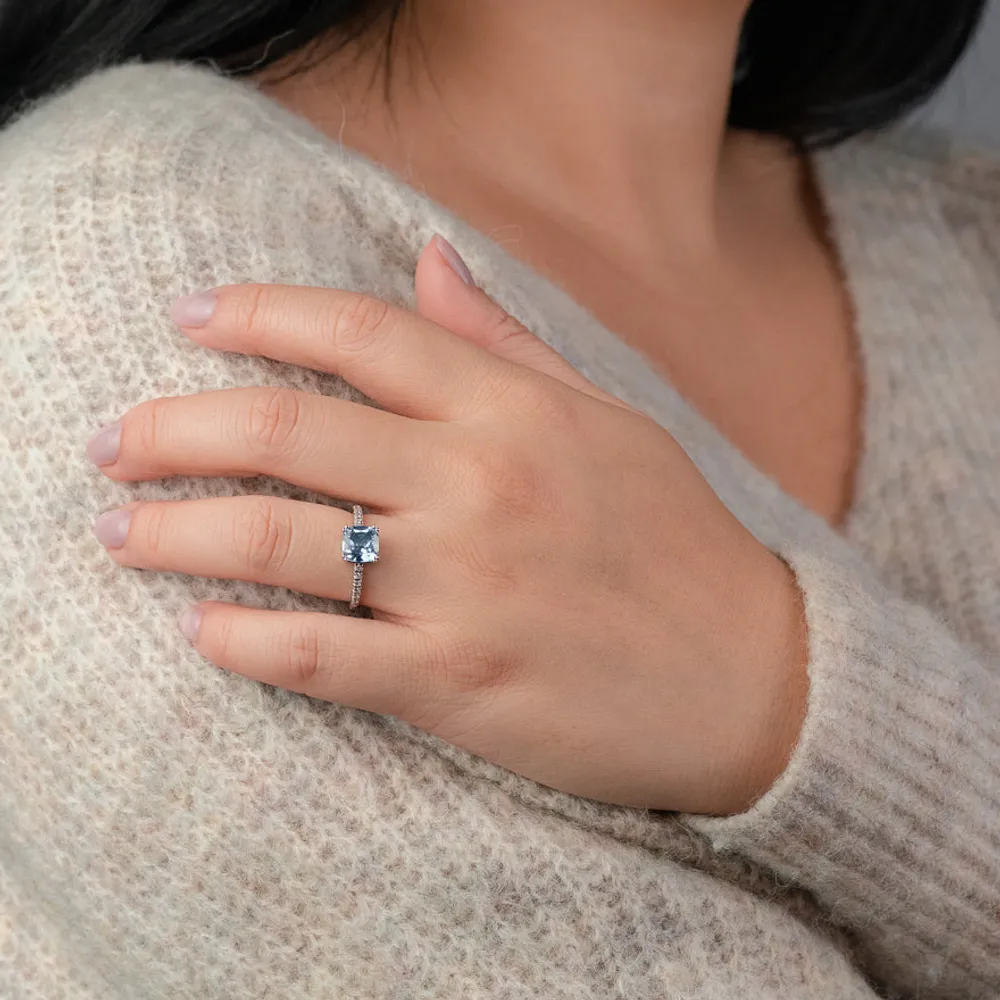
(448, 295)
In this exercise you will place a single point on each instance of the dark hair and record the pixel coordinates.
(815, 71)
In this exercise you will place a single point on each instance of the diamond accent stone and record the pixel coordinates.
(360, 544)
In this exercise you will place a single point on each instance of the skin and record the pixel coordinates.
(513, 617)
(590, 140)
(665, 669)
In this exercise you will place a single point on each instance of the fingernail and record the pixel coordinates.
(194, 310)
(190, 623)
(112, 528)
(104, 446)
(454, 260)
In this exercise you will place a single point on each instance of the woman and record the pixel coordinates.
(679, 670)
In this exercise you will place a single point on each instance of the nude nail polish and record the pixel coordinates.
(454, 259)
(111, 528)
(104, 446)
(190, 624)
(194, 310)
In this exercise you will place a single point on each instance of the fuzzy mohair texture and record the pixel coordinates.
(170, 831)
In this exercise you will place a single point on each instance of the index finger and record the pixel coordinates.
(404, 362)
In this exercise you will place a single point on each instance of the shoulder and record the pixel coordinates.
(135, 187)
(173, 119)
(954, 166)
(142, 184)
(916, 215)
(919, 172)
(144, 172)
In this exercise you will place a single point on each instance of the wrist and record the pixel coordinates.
(775, 660)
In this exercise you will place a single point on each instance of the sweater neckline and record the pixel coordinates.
(604, 353)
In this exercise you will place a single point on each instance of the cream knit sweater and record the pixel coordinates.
(171, 831)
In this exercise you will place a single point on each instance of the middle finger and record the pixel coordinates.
(322, 443)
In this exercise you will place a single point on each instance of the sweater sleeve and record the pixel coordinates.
(889, 810)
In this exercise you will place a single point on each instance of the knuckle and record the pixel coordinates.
(224, 649)
(153, 524)
(553, 408)
(273, 420)
(541, 403)
(470, 666)
(502, 327)
(502, 390)
(248, 313)
(304, 653)
(506, 482)
(357, 322)
(499, 394)
(149, 420)
(263, 536)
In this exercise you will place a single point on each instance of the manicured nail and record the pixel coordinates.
(454, 259)
(104, 446)
(190, 623)
(194, 310)
(112, 528)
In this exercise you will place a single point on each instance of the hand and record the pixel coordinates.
(560, 591)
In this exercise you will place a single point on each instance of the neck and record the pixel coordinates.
(618, 106)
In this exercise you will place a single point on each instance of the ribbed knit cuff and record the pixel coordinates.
(889, 811)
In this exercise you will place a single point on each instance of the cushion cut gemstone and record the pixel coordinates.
(360, 545)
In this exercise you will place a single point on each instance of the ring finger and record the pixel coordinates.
(270, 540)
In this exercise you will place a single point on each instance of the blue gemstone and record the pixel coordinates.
(360, 545)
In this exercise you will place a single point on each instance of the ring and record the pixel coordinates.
(360, 546)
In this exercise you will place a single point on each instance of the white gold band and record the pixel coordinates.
(359, 578)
